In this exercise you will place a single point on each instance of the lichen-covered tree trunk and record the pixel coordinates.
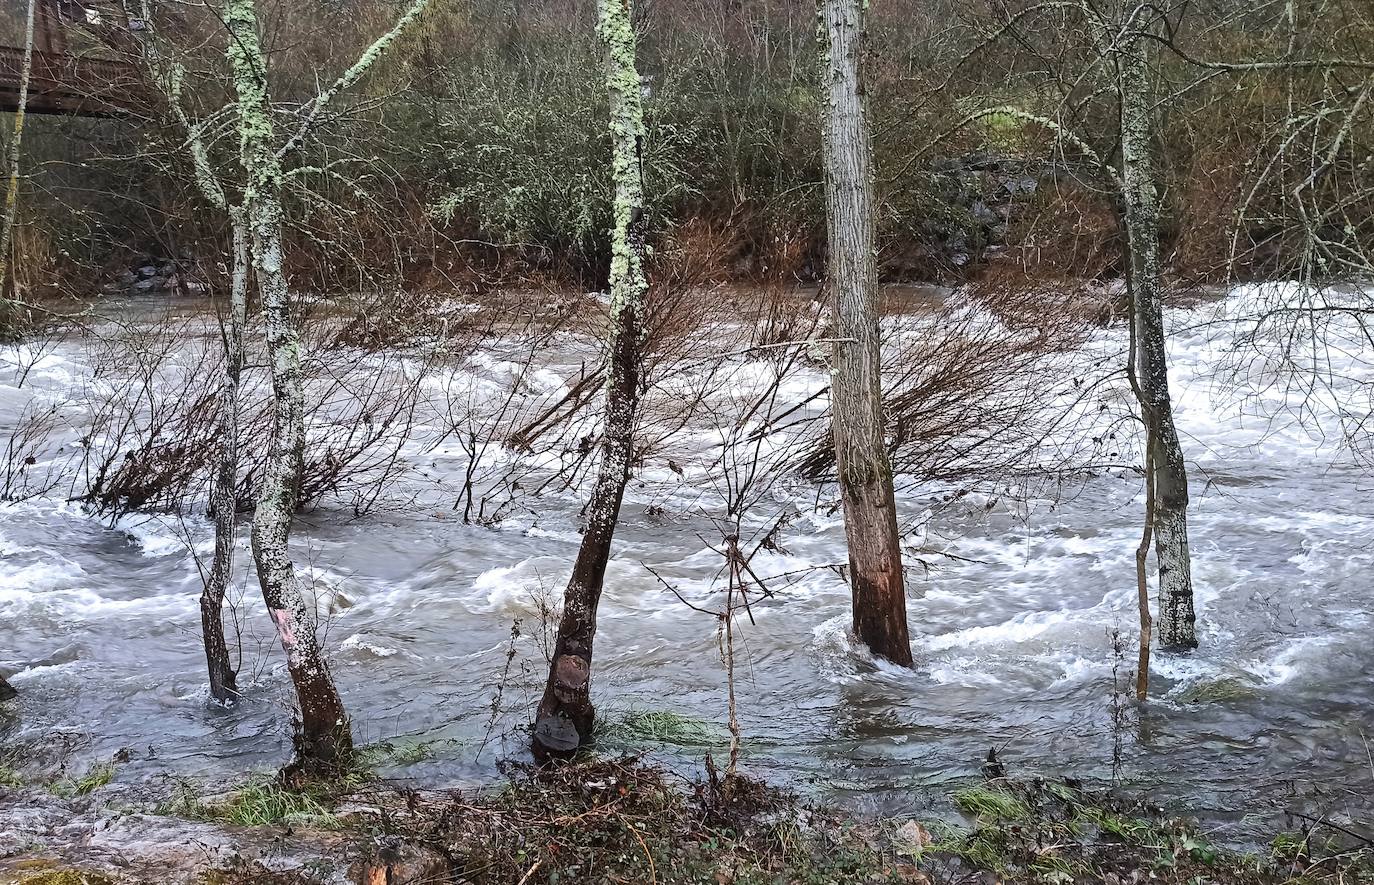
(1141, 208)
(8, 313)
(870, 512)
(224, 497)
(323, 737)
(565, 716)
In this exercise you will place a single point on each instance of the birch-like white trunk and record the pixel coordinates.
(566, 715)
(870, 512)
(1166, 468)
(323, 739)
(8, 309)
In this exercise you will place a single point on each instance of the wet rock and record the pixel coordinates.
(100, 834)
(147, 285)
(147, 271)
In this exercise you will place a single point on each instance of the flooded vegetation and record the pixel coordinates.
(686, 442)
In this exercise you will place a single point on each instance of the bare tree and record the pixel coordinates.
(1166, 474)
(224, 492)
(324, 739)
(566, 715)
(8, 313)
(865, 474)
(169, 76)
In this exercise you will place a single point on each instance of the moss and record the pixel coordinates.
(65, 876)
(1229, 688)
(398, 752)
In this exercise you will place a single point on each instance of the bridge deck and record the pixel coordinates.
(68, 84)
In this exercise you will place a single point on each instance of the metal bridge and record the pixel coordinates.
(68, 80)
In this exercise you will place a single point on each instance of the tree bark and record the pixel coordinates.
(566, 714)
(1170, 477)
(224, 495)
(870, 511)
(8, 312)
(323, 738)
(169, 75)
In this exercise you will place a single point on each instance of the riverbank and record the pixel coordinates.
(623, 821)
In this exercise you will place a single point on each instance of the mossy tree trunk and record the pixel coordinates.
(870, 511)
(566, 715)
(324, 739)
(1166, 468)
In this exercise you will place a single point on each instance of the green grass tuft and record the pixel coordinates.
(97, 776)
(265, 802)
(985, 802)
(638, 727)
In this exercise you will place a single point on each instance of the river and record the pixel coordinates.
(1011, 630)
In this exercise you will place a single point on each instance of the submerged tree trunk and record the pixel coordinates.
(11, 210)
(870, 511)
(224, 495)
(1170, 490)
(323, 738)
(565, 717)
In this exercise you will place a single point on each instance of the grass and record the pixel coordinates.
(265, 803)
(984, 802)
(261, 802)
(97, 776)
(640, 727)
(600, 821)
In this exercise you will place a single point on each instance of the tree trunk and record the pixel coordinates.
(565, 717)
(224, 495)
(8, 312)
(1142, 215)
(323, 738)
(870, 511)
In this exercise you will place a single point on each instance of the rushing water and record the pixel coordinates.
(1011, 633)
